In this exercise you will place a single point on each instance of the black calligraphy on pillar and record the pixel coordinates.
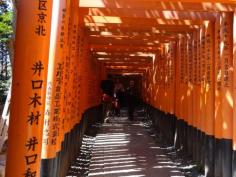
(31, 157)
(218, 60)
(42, 17)
(35, 100)
(203, 55)
(66, 91)
(31, 143)
(199, 79)
(42, 5)
(181, 61)
(190, 60)
(195, 61)
(37, 68)
(50, 137)
(34, 118)
(208, 58)
(63, 27)
(40, 28)
(57, 106)
(29, 173)
(37, 84)
(172, 64)
(169, 67)
(47, 121)
(226, 30)
(186, 74)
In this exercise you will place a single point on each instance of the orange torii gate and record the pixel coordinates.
(52, 77)
(64, 48)
(203, 94)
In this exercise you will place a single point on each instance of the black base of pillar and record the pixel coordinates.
(198, 147)
(234, 164)
(214, 155)
(223, 158)
(209, 155)
(46, 168)
(203, 149)
(227, 157)
(182, 134)
(177, 143)
(190, 140)
(195, 142)
(185, 137)
(70, 147)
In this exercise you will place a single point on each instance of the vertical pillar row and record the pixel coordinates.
(226, 54)
(29, 87)
(204, 94)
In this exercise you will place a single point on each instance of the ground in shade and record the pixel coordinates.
(124, 148)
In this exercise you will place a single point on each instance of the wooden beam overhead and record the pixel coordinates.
(121, 71)
(124, 48)
(126, 72)
(163, 14)
(124, 53)
(135, 29)
(152, 33)
(135, 64)
(120, 60)
(124, 35)
(139, 25)
(124, 57)
(140, 21)
(130, 41)
(128, 67)
(175, 5)
(125, 42)
(138, 37)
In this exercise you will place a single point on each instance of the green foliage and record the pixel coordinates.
(6, 16)
(6, 26)
(4, 86)
(6, 31)
(4, 6)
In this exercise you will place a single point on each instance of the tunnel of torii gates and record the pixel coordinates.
(184, 51)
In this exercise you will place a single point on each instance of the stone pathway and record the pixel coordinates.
(125, 149)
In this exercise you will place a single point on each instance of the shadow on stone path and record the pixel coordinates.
(122, 148)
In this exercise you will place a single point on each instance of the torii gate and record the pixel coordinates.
(56, 77)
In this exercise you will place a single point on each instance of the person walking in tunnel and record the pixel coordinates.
(132, 94)
(118, 93)
(107, 87)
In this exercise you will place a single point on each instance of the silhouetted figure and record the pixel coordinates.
(131, 99)
(107, 87)
(119, 93)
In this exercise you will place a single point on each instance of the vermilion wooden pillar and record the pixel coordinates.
(226, 30)
(54, 96)
(234, 92)
(218, 97)
(29, 87)
(209, 98)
